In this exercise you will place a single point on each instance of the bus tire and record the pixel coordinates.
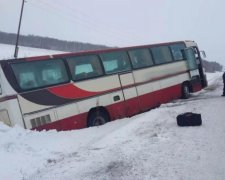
(185, 91)
(97, 118)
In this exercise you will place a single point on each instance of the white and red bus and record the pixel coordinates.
(77, 90)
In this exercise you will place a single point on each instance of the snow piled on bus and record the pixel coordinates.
(146, 146)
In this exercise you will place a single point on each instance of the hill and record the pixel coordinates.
(48, 43)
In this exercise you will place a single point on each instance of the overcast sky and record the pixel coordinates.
(122, 22)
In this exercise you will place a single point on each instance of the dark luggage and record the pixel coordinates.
(189, 119)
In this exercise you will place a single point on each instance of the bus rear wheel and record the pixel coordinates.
(97, 118)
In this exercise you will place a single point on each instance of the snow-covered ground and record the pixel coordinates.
(147, 146)
(7, 51)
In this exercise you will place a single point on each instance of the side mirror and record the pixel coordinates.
(203, 54)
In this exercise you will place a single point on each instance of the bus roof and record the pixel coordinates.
(45, 57)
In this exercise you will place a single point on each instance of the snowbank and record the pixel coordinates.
(146, 146)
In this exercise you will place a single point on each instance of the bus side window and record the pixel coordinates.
(51, 75)
(82, 71)
(51, 72)
(38, 74)
(114, 62)
(140, 58)
(83, 67)
(27, 80)
(97, 68)
(161, 54)
(177, 51)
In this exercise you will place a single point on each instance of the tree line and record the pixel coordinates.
(48, 43)
(71, 46)
(212, 66)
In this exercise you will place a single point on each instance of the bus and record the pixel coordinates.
(77, 90)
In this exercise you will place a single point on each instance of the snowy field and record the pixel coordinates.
(7, 51)
(149, 146)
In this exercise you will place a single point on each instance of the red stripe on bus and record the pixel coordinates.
(6, 98)
(119, 110)
(70, 91)
(70, 123)
(37, 58)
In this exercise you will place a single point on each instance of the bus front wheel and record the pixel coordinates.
(97, 118)
(185, 91)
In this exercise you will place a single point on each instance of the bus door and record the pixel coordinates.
(200, 65)
(129, 93)
(191, 62)
(193, 67)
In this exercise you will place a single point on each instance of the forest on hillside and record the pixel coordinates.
(71, 46)
(212, 66)
(48, 43)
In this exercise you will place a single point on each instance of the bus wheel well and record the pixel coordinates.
(186, 89)
(97, 111)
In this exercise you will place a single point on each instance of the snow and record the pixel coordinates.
(148, 146)
(7, 51)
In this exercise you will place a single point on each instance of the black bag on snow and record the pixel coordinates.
(189, 119)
